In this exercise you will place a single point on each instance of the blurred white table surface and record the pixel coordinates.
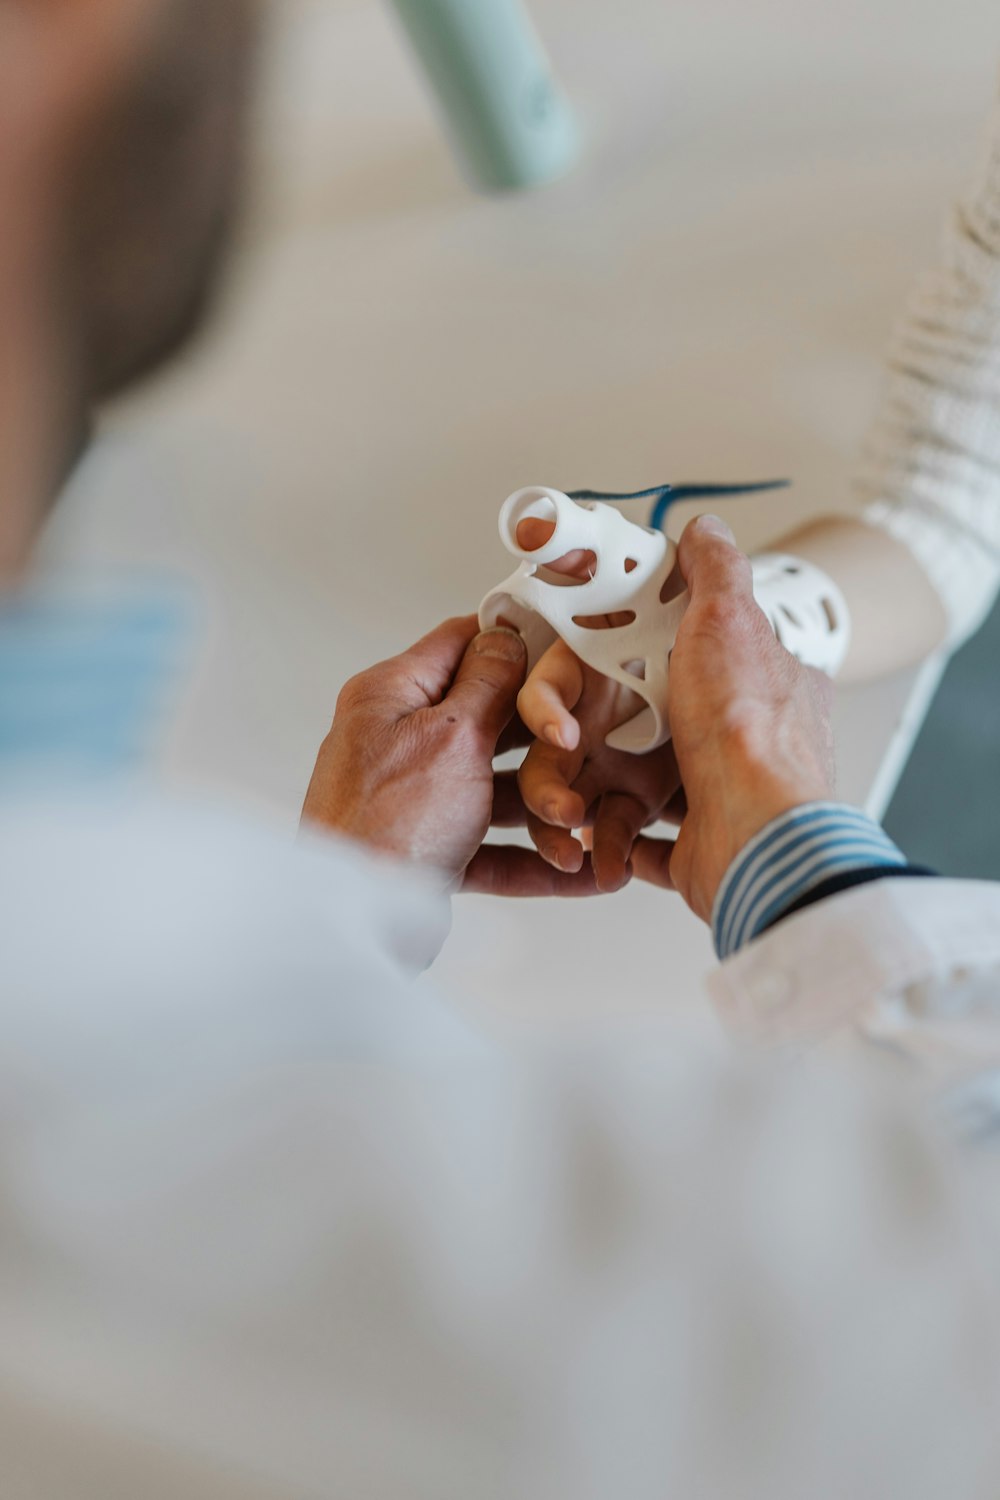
(705, 298)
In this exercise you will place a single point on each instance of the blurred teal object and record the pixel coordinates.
(509, 121)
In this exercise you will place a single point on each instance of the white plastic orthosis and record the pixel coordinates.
(806, 609)
(631, 574)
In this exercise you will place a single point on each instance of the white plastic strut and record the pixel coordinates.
(631, 579)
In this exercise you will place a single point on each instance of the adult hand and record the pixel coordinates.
(750, 724)
(407, 767)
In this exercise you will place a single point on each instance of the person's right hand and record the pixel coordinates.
(751, 725)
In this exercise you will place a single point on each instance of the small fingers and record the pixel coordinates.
(533, 532)
(620, 819)
(552, 691)
(557, 846)
(651, 861)
(546, 780)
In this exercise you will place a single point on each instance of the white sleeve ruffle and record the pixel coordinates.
(930, 470)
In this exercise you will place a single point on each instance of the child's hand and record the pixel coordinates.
(570, 779)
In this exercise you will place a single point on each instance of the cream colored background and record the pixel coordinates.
(706, 297)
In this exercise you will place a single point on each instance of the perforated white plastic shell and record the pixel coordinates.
(632, 576)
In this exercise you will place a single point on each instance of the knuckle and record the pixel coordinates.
(744, 731)
(721, 616)
(357, 690)
(368, 689)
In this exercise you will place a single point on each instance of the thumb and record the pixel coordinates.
(711, 562)
(488, 681)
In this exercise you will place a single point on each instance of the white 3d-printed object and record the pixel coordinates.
(631, 576)
(805, 607)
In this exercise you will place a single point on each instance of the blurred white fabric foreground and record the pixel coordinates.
(277, 1223)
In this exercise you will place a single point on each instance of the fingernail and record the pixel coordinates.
(553, 734)
(550, 811)
(502, 643)
(717, 526)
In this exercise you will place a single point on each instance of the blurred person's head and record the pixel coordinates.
(121, 128)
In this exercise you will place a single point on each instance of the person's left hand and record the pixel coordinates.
(407, 767)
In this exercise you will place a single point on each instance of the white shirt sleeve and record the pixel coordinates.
(912, 964)
(274, 1223)
(930, 472)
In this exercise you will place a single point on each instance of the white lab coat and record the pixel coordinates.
(274, 1222)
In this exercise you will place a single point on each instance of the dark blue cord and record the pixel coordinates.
(669, 494)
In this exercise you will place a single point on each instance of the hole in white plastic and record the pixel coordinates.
(532, 505)
(616, 621)
(673, 585)
(831, 614)
(790, 615)
(631, 563)
(569, 571)
(635, 668)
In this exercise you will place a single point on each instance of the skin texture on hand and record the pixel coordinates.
(751, 739)
(407, 768)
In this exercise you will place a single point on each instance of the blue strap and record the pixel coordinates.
(667, 495)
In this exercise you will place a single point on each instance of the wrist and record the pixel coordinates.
(795, 851)
(747, 803)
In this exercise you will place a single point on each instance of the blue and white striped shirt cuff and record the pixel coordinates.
(791, 856)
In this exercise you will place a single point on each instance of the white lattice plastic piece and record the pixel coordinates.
(632, 567)
(807, 611)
